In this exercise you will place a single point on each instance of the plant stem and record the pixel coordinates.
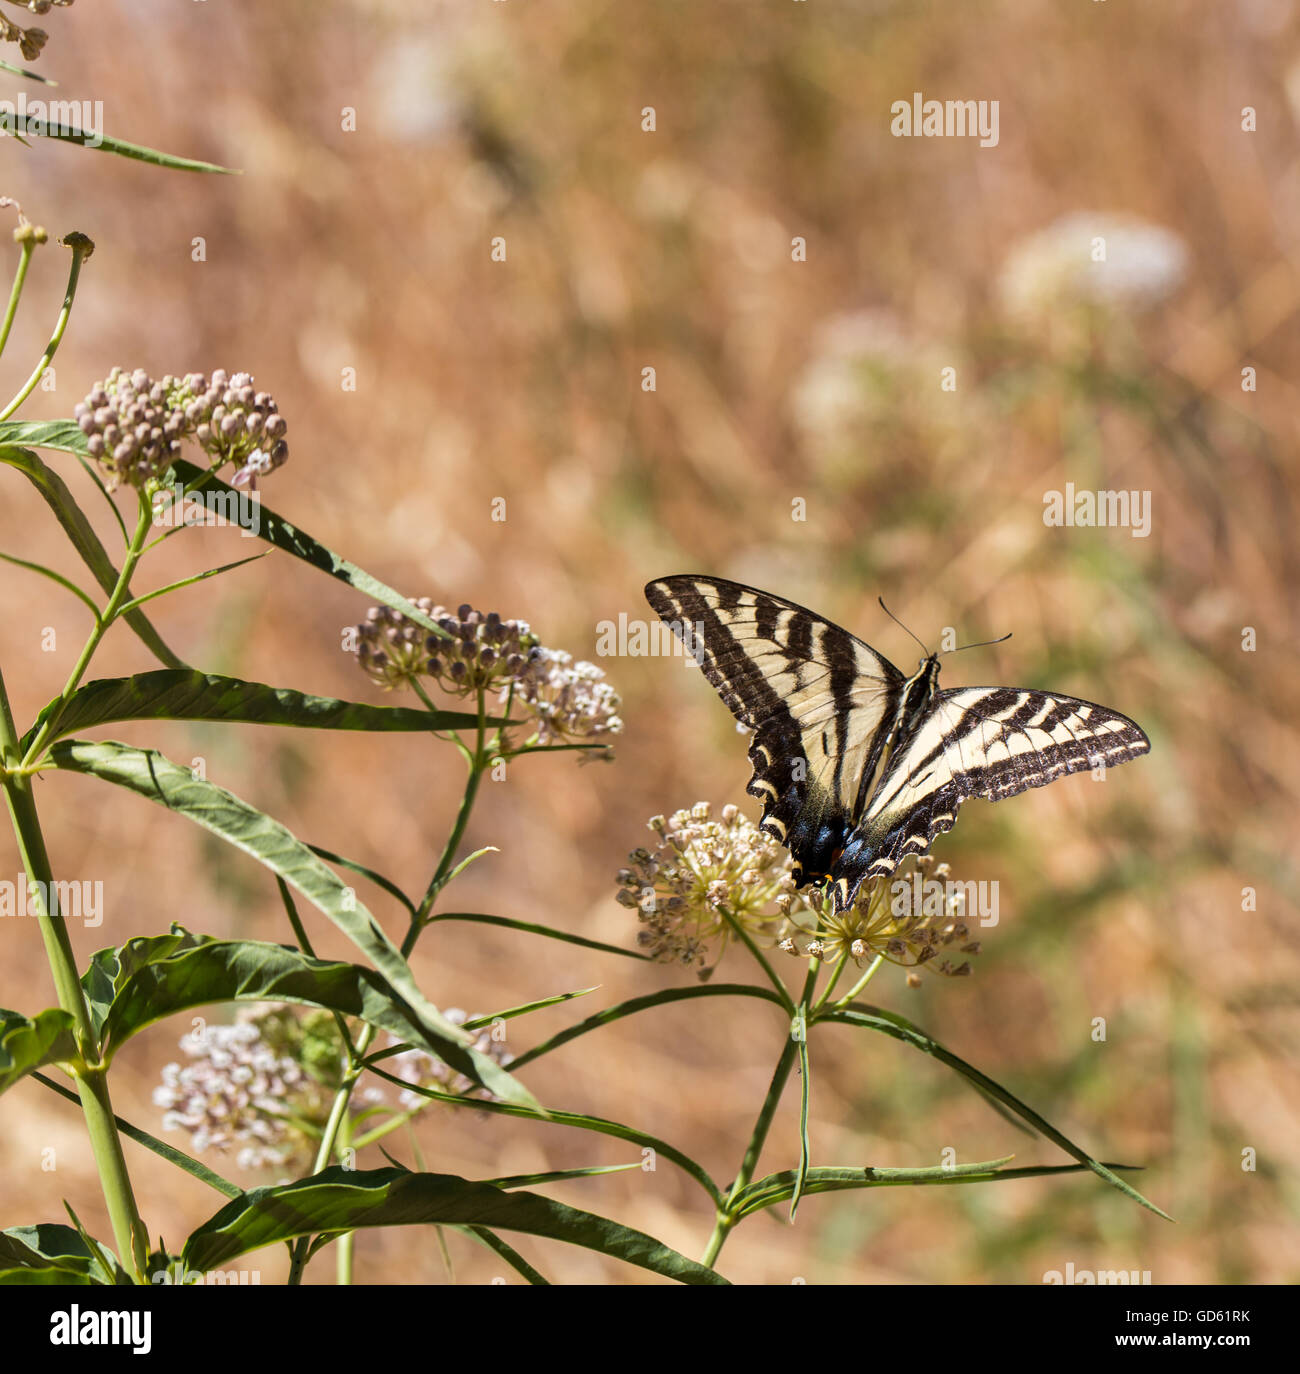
(92, 1084)
(758, 1137)
(750, 944)
(338, 1127)
(20, 276)
(81, 249)
(859, 985)
(119, 597)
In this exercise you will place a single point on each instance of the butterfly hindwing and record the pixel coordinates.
(989, 742)
(813, 695)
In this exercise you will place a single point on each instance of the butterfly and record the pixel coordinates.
(857, 765)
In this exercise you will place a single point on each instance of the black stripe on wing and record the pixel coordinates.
(812, 694)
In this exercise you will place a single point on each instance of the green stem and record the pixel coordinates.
(92, 1085)
(748, 941)
(835, 978)
(758, 1137)
(858, 986)
(20, 276)
(338, 1119)
(81, 249)
(116, 601)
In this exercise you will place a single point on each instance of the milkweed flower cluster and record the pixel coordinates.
(421, 1069)
(909, 922)
(699, 869)
(251, 1086)
(570, 700)
(135, 427)
(474, 651)
(564, 699)
(1103, 260)
(30, 41)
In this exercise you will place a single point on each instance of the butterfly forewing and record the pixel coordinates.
(813, 695)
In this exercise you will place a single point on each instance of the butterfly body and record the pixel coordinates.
(856, 765)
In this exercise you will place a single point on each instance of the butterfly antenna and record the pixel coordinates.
(983, 644)
(898, 622)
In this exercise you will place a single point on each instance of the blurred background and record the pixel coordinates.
(777, 381)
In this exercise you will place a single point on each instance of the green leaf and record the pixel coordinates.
(559, 1175)
(478, 1022)
(51, 1253)
(20, 125)
(378, 879)
(185, 694)
(636, 1004)
(531, 928)
(899, 1028)
(155, 976)
(170, 1153)
(27, 1045)
(48, 1278)
(766, 1192)
(157, 778)
(507, 1252)
(276, 530)
(557, 1118)
(30, 76)
(64, 435)
(345, 1200)
(86, 542)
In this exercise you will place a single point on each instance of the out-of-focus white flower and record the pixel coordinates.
(1096, 259)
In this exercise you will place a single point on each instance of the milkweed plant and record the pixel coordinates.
(323, 1059)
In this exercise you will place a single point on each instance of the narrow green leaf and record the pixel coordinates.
(636, 1004)
(28, 1044)
(185, 694)
(65, 582)
(155, 777)
(899, 1028)
(524, 1008)
(105, 143)
(170, 1153)
(766, 1192)
(507, 1252)
(531, 928)
(557, 1118)
(276, 530)
(86, 542)
(378, 879)
(559, 1176)
(28, 75)
(345, 1200)
(145, 597)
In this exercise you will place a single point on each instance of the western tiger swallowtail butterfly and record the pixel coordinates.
(856, 765)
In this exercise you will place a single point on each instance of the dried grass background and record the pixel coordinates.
(521, 379)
